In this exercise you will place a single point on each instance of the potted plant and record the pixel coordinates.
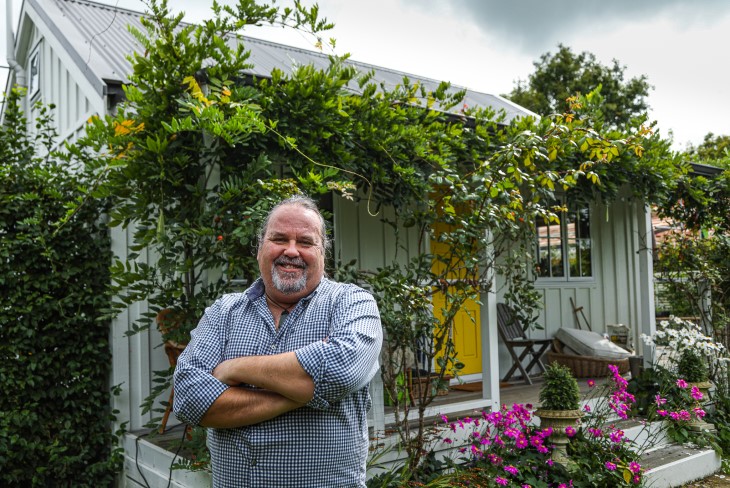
(559, 407)
(691, 368)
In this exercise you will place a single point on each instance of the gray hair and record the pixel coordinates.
(305, 202)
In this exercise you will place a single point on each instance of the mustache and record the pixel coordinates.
(286, 261)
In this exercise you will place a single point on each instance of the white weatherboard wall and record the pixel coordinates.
(621, 291)
(61, 82)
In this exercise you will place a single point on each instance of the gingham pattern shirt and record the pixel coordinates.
(323, 444)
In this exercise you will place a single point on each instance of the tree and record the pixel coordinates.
(714, 150)
(559, 76)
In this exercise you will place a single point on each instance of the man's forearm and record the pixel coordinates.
(279, 373)
(238, 407)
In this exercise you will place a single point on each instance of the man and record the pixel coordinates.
(280, 372)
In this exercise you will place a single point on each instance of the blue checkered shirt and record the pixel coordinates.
(323, 444)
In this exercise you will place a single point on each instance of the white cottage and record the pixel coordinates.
(71, 53)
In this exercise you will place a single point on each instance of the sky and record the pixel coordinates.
(488, 45)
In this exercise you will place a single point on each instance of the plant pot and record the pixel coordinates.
(699, 425)
(558, 421)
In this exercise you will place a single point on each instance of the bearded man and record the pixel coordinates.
(279, 374)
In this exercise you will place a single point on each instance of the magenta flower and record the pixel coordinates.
(616, 436)
(635, 467)
(699, 413)
(448, 441)
(681, 383)
(521, 442)
(587, 408)
(595, 432)
(569, 431)
(610, 466)
(512, 470)
(659, 400)
(662, 413)
(501, 481)
(591, 383)
(696, 393)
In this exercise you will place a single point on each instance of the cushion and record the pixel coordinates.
(593, 344)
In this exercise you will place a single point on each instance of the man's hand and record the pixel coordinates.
(280, 373)
(225, 372)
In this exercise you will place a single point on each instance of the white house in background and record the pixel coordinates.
(71, 53)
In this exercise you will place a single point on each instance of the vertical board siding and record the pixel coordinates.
(613, 296)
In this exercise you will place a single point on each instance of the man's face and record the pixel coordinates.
(291, 258)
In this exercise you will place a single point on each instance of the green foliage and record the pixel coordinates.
(561, 75)
(55, 417)
(714, 150)
(691, 367)
(559, 390)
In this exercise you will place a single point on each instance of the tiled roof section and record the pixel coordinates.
(102, 40)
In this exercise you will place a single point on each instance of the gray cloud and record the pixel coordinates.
(530, 25)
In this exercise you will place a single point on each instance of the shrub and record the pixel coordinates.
(55, 424)
(560, 389)
(506, 449)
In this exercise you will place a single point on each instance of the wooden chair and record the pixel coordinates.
(514, 337)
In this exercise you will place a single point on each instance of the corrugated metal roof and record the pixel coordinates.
(101, 40)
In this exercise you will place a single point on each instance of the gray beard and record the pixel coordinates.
(285, 285)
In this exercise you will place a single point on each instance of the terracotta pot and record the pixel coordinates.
(559, 420)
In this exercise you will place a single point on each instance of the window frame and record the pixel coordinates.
(34, 78)
(565, 242)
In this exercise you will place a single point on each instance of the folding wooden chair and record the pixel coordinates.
(514, 337)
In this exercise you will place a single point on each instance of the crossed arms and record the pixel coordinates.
(284, 386)
(208, 391)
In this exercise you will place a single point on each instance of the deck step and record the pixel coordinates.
(675, 465)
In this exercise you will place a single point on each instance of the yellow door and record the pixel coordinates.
(467, 324)
(467, 334)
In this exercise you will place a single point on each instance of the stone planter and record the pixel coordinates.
(699, 425)
(559, 420)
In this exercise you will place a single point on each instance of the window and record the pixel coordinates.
(564, 249)
(34, 78)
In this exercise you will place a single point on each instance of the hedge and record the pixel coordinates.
(55, 418)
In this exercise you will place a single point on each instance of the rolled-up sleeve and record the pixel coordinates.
(195, 387)
(348, 359)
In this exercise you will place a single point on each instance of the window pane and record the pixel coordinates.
(549, 250)
(578, 231)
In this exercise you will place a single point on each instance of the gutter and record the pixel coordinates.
(19, 71)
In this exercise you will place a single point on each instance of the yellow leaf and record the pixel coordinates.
(552, 154)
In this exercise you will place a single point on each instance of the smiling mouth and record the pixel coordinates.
(290, 266)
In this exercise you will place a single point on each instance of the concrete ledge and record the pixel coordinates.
(673, 465)
(147, 465)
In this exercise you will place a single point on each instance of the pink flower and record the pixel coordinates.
(681, 383)
(659, 400)
(610, 466)
(448, 441)
(512, 470)
(521, 442)
(616, 436)
(587, 408)
(501, 481)
(699, 413)
(569, 431)
(662, 413)
(696, 393)
(635, 467)
(591, 383)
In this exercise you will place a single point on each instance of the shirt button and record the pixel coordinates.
(273, 347)
(253, 462)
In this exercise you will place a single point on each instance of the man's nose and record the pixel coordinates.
(291, 248)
